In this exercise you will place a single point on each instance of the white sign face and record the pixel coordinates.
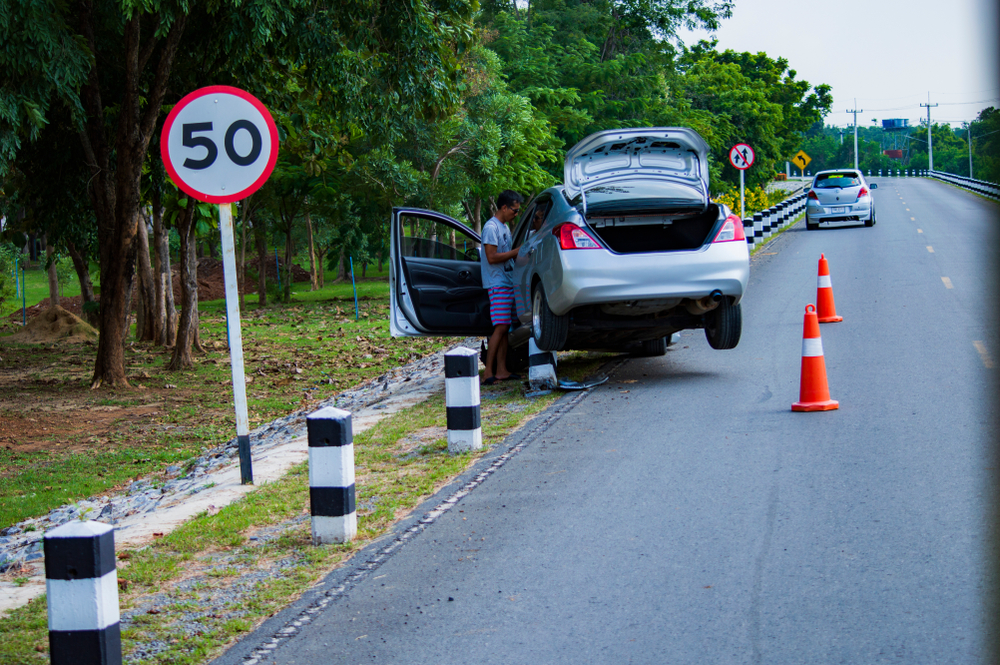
(741, 156)
(219, 144)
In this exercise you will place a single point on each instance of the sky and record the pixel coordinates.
(886, 54)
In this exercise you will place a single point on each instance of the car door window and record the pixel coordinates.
(530, 222)
(428, 238)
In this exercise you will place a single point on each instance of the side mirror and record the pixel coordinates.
(874, 185)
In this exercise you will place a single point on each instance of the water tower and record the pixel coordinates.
(894, 127)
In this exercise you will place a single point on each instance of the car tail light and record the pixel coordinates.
(813, 196)
(572, 236)
(732, 229)
(862, 192)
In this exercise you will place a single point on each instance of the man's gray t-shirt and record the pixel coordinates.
(496, 233)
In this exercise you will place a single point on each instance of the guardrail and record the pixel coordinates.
(767, 222)
(987, 189)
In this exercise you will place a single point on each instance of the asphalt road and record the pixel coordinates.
(683, 514)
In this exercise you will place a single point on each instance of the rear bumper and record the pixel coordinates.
(846, 214)
(597, 277)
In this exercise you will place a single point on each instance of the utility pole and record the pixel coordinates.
(930, 142)
(855, 111)
(968, 128)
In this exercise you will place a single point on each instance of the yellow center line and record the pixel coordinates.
(913, 219)
(983, 354)
(930, 249)
(920, 230)
(947, 283)
(907, 210)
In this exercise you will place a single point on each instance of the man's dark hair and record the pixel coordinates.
(508, 197)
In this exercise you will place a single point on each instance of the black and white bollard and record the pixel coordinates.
(461, 396)
(331, 476)
(541, 368)
(81, 581)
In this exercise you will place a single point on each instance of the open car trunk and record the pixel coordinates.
(626, 232)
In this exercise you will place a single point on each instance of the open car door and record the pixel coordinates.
(435, 277)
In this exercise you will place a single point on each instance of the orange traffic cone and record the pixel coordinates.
(814, 395)
(824, 294)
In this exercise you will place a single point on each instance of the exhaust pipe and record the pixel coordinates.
(705, 304)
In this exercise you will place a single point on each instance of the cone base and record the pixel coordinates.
(831, 319)
(828, 405)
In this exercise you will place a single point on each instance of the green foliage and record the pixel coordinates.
(9, 271)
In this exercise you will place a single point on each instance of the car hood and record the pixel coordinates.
(677, 154)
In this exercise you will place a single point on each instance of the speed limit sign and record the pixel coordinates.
(219, 144)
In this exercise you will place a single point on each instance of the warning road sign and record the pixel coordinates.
(801, 159)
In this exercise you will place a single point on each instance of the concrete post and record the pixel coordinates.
(81, 581)
(541, 368)
(461, 395)
(331, 476)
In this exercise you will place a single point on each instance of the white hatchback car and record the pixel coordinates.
(838, 197)
(629, 250)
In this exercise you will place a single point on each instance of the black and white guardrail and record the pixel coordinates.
(81, 582)
(331, 476)
(541, 367)
(768, 222)
(461, 396)
(988, 189)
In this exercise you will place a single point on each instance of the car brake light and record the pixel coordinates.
(813, 196)
(572, 236)
(732, 229)
(863, 192)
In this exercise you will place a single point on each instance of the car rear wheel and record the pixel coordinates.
(654, 347)
(723, 325)
(871, 220)
(550, 329)
(811, 226)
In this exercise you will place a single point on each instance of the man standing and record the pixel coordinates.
(497, 279)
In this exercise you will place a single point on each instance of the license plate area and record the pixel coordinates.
(840, 210)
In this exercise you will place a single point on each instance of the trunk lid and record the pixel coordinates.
(674, 154)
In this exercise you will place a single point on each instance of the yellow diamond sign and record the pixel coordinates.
(801, 159)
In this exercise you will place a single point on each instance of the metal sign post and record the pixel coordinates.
(219, 145)
(741, 156)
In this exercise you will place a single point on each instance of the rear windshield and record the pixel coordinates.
(635, 194)
(837, 180)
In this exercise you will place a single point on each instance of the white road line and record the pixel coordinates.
(919, 230)
(930, 249)
(947, 283)
(984, 355)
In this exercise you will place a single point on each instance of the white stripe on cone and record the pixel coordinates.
(812, 347)
(824, 282)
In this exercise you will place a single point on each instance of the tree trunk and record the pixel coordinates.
(342, 267)
(188, 325)
(313, 278)
(260, 237)
(380, 260)
(53, 273)
(241, 258)
(115, 189)
(166, 312)
(321, 260)
(82, 266)
(287, 285)
(147, 322)
(477, 222)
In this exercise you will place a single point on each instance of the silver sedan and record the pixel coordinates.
(627, 251)
(839, 197)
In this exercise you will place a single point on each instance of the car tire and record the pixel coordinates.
(810, 226)
(653, 347)
(724, 324)
(550, 329)
(871, 220)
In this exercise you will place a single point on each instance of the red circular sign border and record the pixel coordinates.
(202, 92)
(752, 151)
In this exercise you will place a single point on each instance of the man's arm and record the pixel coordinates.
(494, 257)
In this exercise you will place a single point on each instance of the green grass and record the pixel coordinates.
(400, 461)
